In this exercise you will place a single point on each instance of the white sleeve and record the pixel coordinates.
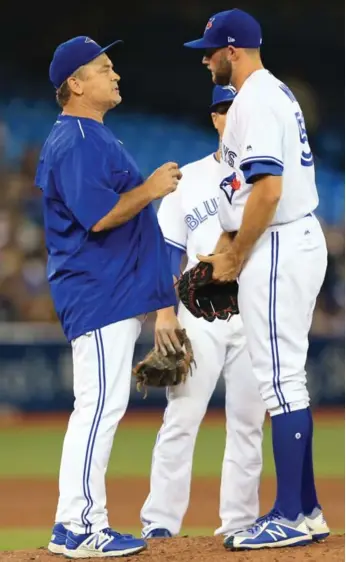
(171, 220)
(260, 136)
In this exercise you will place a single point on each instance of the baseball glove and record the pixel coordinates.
(204, 298)
(158, 370)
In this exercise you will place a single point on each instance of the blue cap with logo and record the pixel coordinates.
(232, 27)
(223, 94)
(71, 55)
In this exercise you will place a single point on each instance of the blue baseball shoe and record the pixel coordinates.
(103, 544)
(58, 539)
(158, 533)
(270, 531)
(317, 525)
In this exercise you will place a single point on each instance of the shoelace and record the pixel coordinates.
(110, 533)
(264, 519)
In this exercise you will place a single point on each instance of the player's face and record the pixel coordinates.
(100, 84)
(219, 121)
(219, 63)
(219, 117)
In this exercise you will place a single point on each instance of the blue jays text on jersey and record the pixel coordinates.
(202, 212)
(227, 155)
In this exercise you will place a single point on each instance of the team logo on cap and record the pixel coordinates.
(230, 89)
(209, 24)
(88, 40)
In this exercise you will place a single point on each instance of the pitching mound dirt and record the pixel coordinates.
(206, 549)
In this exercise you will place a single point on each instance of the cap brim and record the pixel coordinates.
(203, 43)
(198, 44)
(117, 42)
(214, 106)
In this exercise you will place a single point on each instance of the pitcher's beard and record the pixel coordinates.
(222, 77)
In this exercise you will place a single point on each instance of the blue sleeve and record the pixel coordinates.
(84, 181)
(175, 256)
(251, 170)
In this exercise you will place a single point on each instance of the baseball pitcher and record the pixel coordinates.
(277, 251)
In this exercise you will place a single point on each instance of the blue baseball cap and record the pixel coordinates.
(223, 94)
(71, 55)
(232, 27)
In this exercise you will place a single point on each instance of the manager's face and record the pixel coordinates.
(98, 83)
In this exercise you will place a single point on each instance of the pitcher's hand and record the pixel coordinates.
(226, 266)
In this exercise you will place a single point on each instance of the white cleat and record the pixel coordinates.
(317, 525)
(103, 544)
(270, 531)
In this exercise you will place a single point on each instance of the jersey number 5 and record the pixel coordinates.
(306, 158)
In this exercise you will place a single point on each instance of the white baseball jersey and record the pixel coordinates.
(188, 216)
(265, 125)
(189, 220)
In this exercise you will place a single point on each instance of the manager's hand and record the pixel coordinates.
(164, 180)
(166, 327)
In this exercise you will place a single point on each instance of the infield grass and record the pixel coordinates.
(41, 449)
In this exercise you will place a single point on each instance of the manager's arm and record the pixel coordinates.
(167, 323)
(163, 181)
(171, 218)
(84, 180)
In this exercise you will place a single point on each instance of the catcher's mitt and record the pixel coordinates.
(159, 370)
(204, 298)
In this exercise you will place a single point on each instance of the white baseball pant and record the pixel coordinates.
(219, 347)
(102, 363)
(278, 288)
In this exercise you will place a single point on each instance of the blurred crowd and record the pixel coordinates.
(24, 292)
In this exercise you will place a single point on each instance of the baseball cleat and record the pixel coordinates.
(317, 525)
(158, 533)
(270, 531)
(58, 539)
(102, 544)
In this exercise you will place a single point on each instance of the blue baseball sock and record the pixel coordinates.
(290, 433)
(309, 495)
